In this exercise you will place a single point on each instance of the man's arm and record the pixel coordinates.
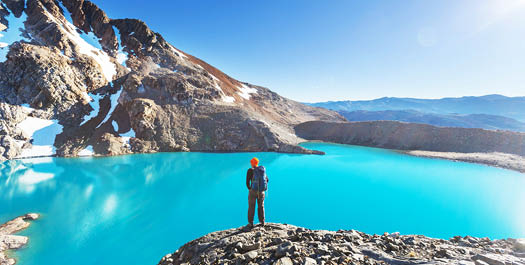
(249, 176)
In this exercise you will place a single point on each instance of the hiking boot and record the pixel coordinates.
(249, 226)
(262, 224)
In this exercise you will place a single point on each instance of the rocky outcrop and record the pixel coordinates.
(117, 87)
(9, 241)
(287, 244)
(10, 116)
(410, 136)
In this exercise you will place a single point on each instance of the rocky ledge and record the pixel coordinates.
(8, 241)
(286, 244)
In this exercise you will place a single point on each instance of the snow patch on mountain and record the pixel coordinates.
(177, 52)
(86, 97)
(115, 125)
(26, 108)
(224, 97)
(228, 99)
(122, 56)
(127, 136)
(88, 151)
(95, 104)
(246, 91)
(212, 76)
(42, 133)
(84, 44)
(114, 102)
(89, 37)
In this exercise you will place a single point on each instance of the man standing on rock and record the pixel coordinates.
(257, 183)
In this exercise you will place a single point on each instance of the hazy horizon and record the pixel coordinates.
(485, 95)
(314, 51)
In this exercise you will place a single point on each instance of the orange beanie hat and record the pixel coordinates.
(254, 162)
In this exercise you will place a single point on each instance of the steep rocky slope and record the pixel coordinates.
(289, 245)
(75, 82)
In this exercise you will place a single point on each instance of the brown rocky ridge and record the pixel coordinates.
(113, 86)
(282, 244)
(504, 149)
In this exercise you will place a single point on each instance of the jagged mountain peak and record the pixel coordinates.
(92, 84)
(81, 28)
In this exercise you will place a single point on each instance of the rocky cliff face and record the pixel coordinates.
(289, 245)
(411, 136)
(75, 82)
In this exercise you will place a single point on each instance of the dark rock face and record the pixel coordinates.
(409, 136)
(16, 6)
(287, 244)
(133, 84)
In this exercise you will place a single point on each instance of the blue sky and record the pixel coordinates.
(342, 49)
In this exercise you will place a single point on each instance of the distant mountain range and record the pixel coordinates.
(511, 107)
(484, 121)
(493, 112)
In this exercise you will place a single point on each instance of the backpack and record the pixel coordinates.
(259, 180)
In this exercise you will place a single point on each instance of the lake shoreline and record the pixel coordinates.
(9, 241)
(503, 149)
(495, 159)
(500, 160)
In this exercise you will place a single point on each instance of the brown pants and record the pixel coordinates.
(259, 197)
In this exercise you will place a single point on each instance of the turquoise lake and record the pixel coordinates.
(135, 209)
